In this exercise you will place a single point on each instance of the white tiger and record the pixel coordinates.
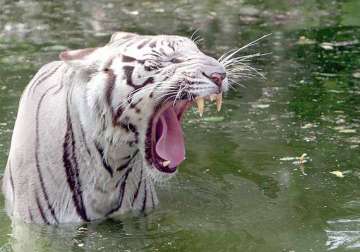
(97, 129)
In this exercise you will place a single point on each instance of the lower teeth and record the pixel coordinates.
(166, 163)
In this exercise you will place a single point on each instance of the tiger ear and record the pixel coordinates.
(83, 59)
(122, 35)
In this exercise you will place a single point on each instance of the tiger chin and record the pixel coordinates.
(96, 130)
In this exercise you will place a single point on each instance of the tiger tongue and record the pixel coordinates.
(170, 141)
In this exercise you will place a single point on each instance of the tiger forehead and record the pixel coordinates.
(164, 39)
(139, 48)
(149, 43)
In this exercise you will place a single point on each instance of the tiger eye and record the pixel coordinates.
(151, 68)
(175, 61)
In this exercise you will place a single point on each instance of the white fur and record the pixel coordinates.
(79, 86)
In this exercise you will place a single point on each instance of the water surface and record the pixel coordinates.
(243, 187)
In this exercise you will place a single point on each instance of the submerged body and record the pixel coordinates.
(56, 172)
(96, 130)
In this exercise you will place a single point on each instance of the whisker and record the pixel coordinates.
(195, 37)
(242, 48)
(245, 58)
(194, 33)
(237, 67)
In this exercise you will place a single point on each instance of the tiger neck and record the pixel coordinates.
(97, 129)
(121, 182)
(126, 183)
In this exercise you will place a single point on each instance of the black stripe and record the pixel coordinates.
(171, 45)
(11, 179)
(155, 53)
(108, 96)
(105, 164)
(30, 215)
(37, 160)
(145, 197)
(128, 59)
(134, 104)
(42, 78)
(121, 192)
(152, 44)
(84, 139)
(138, 188)
(128, 36)
(163, 52)
(148, 81)
(12, 184)
(129, 127)
(62, 81)
(110, 87)
(41, 210)
(139, 87)
(117, 115)
(133, 129)
(34, 82)
(128, 71)
(71, 168)
(152, 196)
(129, 42)
(122, 167)
(143, 43)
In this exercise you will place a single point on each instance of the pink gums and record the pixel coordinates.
(167, 134)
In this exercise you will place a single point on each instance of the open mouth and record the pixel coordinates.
(165, 144)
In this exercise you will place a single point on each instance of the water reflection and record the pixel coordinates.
(343, 233)
(241, 188)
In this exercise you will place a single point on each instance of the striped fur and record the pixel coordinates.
(78, 147)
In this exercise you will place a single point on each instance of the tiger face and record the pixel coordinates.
(138, 89)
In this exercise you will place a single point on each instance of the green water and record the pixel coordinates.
(242, 187)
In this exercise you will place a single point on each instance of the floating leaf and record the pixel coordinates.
(327, 46)
(261, 106)
(356, 75)
(343, 129)
(213, 119)
(308, 126)
(338, 174)
(302, 157)
(287, 158)
(331, 45)
(305, 41)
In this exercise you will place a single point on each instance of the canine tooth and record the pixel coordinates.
(212, 97)
(166, 163)
(218, 102)
(200, 105)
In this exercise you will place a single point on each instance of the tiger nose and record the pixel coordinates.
(218, 78)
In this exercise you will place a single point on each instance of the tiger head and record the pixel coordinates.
(139, 87)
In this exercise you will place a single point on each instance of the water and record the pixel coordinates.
(243, 186)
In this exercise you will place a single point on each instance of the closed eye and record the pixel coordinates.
(152, 67)
(151, 64)
(175, 60)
